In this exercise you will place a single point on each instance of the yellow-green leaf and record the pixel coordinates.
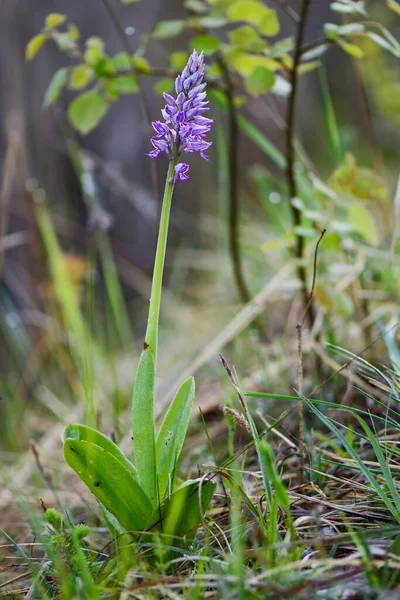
(249, 11)
(178, 60)
(54, 19)
(269, 25)
(351, 49)
(260, 81)
(55, 86)
(363, 222)
(34, 46)
(140, 63)
(124, 84)
(247, 38)
(246, 63)
(164, 85)
(94, 50)
(80, 77)
(87, 110)
(394, 5)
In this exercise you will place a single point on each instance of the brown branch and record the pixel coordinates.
(233, 139)
(290, 153)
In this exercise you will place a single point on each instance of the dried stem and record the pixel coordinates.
(233, 139)
(290, 153)
(299, 331)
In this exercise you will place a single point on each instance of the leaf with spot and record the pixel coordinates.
(110, 481)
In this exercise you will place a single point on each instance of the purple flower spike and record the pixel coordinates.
(184, 126)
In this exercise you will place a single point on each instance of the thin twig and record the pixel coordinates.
(289, 10)
(299, 331)
(233, 139)
(290, 152)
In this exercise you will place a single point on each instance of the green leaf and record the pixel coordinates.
(195, 6)
(54, 19)
(87, 110)
(351, 49)
(124, 84)
(180, 514)
(140, 63)
(164, 85)
(34, 46)
(260, 81)
(247, 38)
(249, 11)
(331, 31)
(73, 33)
(349, 8)
(55, 87)
(80, 77)
(120, 62)
(383, 43)
(168, 29)
(394, 5)
(269, 25)
(363, 222)
(143, 425)
(178, 60)
(94, 50)
(88, 434)
(171, 437)
(111, 483)
(246, 63)
(129, 1)
(206, 43)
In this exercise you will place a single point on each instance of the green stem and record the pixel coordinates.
(151, 338)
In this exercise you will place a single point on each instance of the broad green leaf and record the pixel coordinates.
(249, 11)
(247, 38)
(143, 425)
(124, 84)
(94, 50)
(283, 47)
(80, 77)
(349, 8)
(178, 60)
(164, 85)
(246, 63)
(331, 31)
(34, 46)
(168, 29)
(55, 87)
(180, 514)
(269, 25)
(54, 19)
(88, 434)
(206, 43)
(394, 5)
(87, 110)
(351, 49)
(171, 437)
(111, 483)
(260, 81)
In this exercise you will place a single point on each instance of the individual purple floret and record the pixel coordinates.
(185, 126)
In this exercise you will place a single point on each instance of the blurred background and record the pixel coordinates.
(100, 195)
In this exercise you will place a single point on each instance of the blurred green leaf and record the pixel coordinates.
(178, 60)
(34, 46)
(80, 77)
(246, 38)
(349, 7)
(55, 87)
(360, 182)
(260, 81)
(307, 67)
(383, 43)
(195, 6)
(249, 11)
(394, 5)
(331, 31)
(168, 29)
(129, 1)
(351, 49)
(246, 63)
(164, 85)
(94, 50)
(206, 43)
(120, 62)
(140, 63)
(282, 47)
(73, 33)
(269, 25)
(212, 22)
(54, 19)
(87, 110)
(363, 222)
(171, 437)
(123, 84)
(111, 483)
